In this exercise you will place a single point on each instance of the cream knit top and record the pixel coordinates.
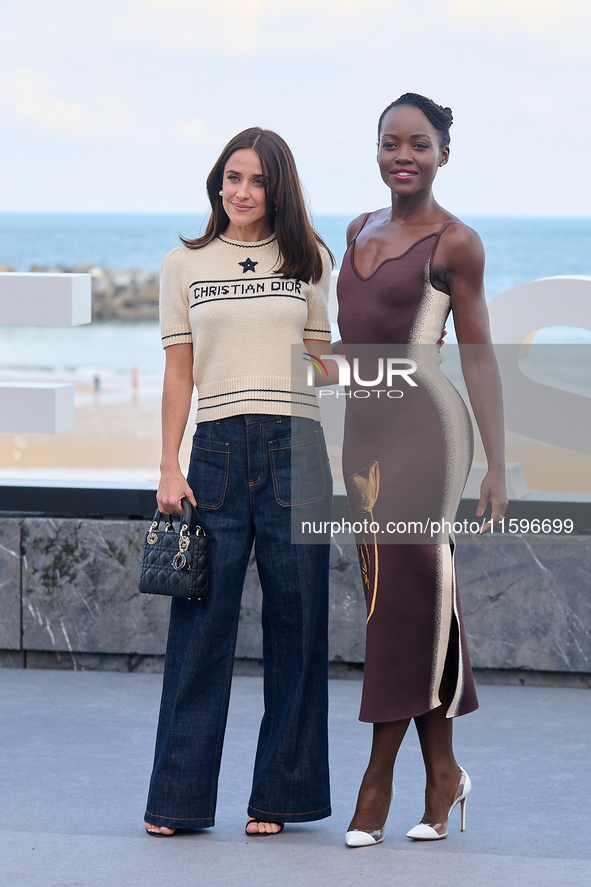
(244, 321)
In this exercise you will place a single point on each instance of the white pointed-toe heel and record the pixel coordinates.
(359, 837)
(435, 831)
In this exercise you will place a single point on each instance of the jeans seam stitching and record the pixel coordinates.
(301, 813)
(222, 496)
(309, 501)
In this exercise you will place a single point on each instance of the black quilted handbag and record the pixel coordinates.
(177, 563)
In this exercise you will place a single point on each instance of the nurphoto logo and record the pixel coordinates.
(389, 371)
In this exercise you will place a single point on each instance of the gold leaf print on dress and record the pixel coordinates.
(366, 488)
(364, 561)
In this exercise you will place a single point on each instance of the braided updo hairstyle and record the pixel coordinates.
(440, 117)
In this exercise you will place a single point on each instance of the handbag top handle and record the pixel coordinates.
(190, 518)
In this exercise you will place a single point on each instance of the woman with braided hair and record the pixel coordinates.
(406, 459)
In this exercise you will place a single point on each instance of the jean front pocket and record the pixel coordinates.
(208, 472)
(299, 469)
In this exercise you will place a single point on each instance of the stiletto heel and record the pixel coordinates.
(360, 837)
(435, 831)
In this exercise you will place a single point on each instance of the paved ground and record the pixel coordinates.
(76, 756)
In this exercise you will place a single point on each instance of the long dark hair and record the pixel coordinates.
(297, 240)
(440, 117)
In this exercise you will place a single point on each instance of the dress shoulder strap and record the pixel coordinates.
(361, 227)
(444, 227)
(438, 234)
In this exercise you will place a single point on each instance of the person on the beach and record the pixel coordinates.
(233, 303)
(406, 459)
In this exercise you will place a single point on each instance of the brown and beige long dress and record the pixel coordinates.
(406, 457)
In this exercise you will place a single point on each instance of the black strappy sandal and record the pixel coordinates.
(154, 834)
(263, 834)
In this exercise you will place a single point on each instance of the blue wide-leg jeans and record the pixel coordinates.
(241, 474)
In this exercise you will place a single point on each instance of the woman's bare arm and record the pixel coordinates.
(176, 403)
(464, 257)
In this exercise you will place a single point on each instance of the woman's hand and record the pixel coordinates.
(173, 487)
(492, 489)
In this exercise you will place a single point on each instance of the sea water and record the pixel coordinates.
(111, 355)
(518, 250)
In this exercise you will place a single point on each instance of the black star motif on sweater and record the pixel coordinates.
(248, 265)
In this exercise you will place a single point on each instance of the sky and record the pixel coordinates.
(124, 105)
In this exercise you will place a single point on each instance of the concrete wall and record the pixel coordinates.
(70, 587)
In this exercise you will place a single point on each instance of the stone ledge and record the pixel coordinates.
(516, 677)
(13, 659)
(10, 584)
(353, 671)
(79, 589)
(525, 599)
(526, 602)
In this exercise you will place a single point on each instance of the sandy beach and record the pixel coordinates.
(111, 440)
(117, 436)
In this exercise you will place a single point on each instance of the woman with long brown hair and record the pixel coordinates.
(234, 302)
